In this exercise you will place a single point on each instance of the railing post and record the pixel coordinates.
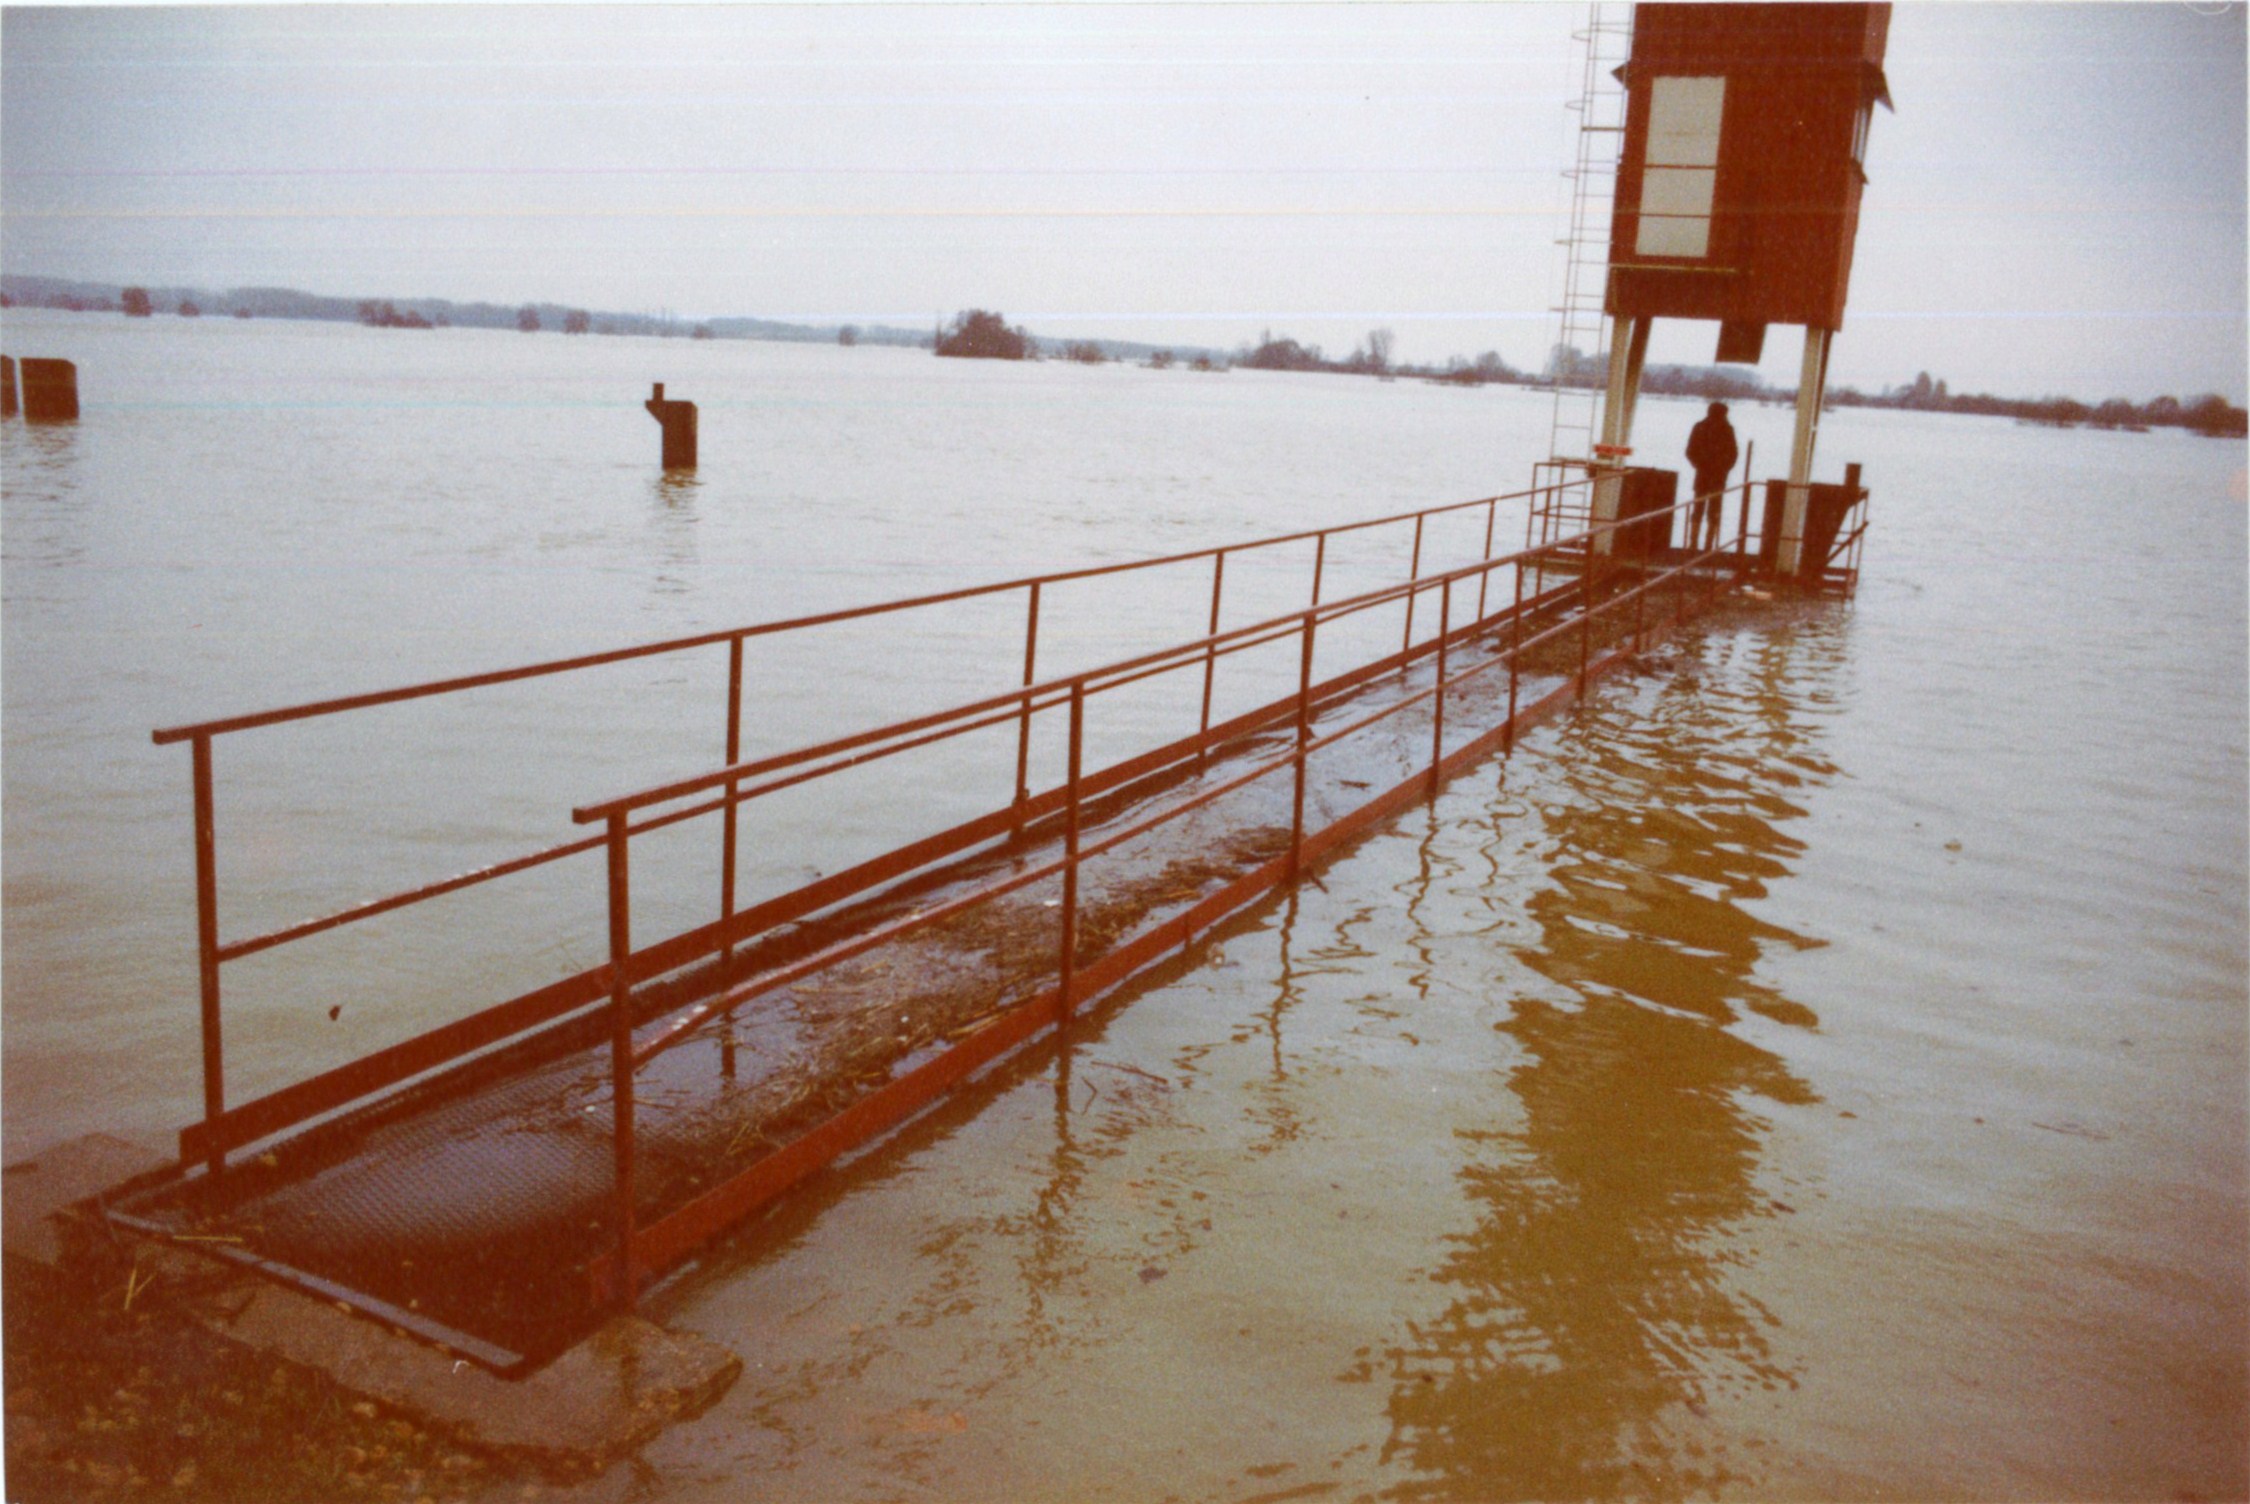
(1640, 599)
(1319, 563)
(207, 943)
(1437, 720)
(1304, 736)
(1023, 730)
(621, 1052)
(1859, 540)
(1068, 967)
(1413, 573)
(1586, 614)
(727, 831)
(1491, 515)
(1515, 659)
(1211, 651)
(1742, 533)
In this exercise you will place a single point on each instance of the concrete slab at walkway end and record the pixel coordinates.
(32, 1191)
(599, 1401)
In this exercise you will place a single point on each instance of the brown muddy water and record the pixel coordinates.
(1814, 1069)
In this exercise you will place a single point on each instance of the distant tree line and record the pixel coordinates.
(1486, 369)
(982, 333)
(1569, 366)
(1371, 358)
(136, 302)
(34, 291)
(2208, 414)
(385, 315)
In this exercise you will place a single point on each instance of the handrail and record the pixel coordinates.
(1194, 649)
(313, 708)
(1108, 673)
(213, 952)
(1074, 688)
(923, 918)
(605, 996)
(850, 751)
(1231, 641)
(620, 1271)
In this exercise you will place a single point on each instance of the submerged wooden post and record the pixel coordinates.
(678, 420)
(7, 386)
(50, 391)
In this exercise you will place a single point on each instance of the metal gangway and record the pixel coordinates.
(501, 1182)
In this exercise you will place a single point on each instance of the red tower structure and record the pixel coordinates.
(1738, 191)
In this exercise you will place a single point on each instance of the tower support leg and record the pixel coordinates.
(1812, 386)
(1628, 353)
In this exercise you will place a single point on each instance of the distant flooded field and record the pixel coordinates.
(1814, 1069)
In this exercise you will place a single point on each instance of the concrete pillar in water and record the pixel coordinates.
(1812, 386)
(7, 386)
(50, 391)
(1629, 351)
(678, 420)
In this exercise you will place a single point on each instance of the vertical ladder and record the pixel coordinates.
(1604, 43)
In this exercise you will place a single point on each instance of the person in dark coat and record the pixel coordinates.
(1711, 451)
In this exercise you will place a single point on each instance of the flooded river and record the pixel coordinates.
(1814, 1069)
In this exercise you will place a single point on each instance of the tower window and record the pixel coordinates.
(1680, 171)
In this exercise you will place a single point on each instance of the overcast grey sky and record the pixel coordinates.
(2058, 204)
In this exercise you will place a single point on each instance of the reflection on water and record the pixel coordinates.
(44, 521)
(1099, 1108)
(1594, 1294)
(672, 526)
(1053, 1255)
(1274, 1107)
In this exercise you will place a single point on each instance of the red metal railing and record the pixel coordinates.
(1049, 834)
(1603, 585)
(223, 1128)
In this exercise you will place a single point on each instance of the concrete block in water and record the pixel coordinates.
(678, 420)
(50, 391)
(7, 386)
